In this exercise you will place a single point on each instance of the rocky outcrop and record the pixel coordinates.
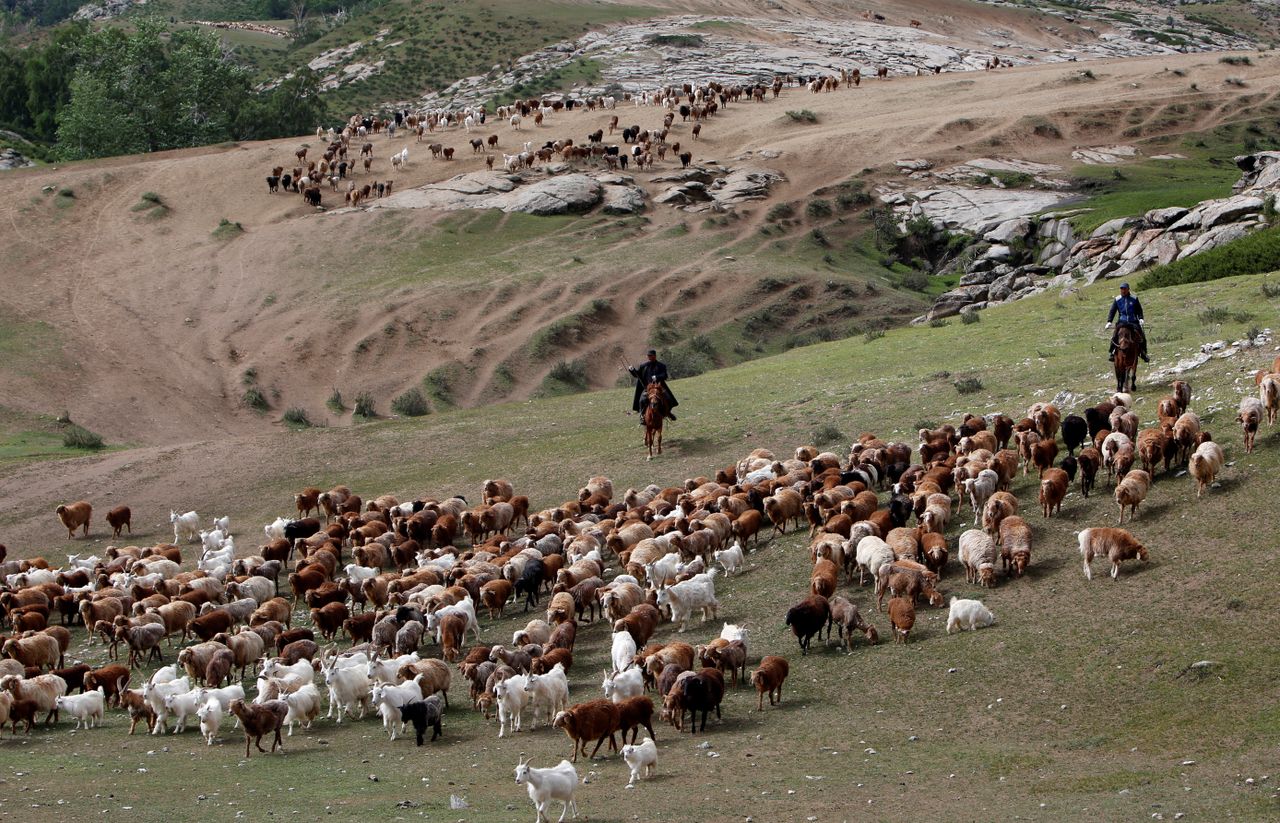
(12, 159)
(106, 9)
(541, 193)
(714, 188)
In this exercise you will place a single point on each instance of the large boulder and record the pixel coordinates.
(950, 303)
(623, 200)
(567, 194)
(1261, 171)
(1230, 210)
(1160, 218)
(1213, 238)
(1009, 230)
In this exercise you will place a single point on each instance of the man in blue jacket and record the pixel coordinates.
(1126, 310)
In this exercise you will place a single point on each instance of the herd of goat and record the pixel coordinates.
(400, 579)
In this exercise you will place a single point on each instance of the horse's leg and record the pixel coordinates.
(659, 440)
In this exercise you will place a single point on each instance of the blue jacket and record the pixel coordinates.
(1125, 310)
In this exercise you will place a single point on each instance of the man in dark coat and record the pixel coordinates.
(651, 369)
(1126, 310)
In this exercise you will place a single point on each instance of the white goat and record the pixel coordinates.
(86, 708)
(511, 702)
(968, 614)
(547, 693)
(556, 783)
(186, 527)
(210, 714)
(620, 686)
(642, 759)
(623, 651)
(683, 598)
(730, 559)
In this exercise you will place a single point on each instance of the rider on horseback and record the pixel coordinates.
(1127, 311)
(651, 369)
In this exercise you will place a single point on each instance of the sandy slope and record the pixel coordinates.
(154, 321)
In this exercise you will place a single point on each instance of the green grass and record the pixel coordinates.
(413, 403)
(227, 230)
(1253, 254)
(1073, 701)
(1207, 172)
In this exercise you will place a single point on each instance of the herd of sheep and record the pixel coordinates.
(408, 582)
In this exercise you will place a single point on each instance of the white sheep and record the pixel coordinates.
(210, 714)
(968, 614)
(979, 489)
(304, 706)
(623, 650)
(185, 526)
(730, 559)
(275, 529)
(642, 759)
(86, 708)
(556, 783)
(872, 553)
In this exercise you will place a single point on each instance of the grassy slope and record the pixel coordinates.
(1072, 705)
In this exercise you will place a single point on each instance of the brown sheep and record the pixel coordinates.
(823, 580)
(119, 518)
(634, 712)
(1115, 544)
(1131, 491)
(1015, 545)
(1205, 464)
(563, 636)
(999, 506)
(219, 668)
(731, 658)
(847, 619)
(549, 659)
(1053, 489)
(75, 516)
(452, 629)
(112, 679)
(1089, 461)
(260, 719)
(902, 614)
(584, 722)
(38, 651)
(1249, 418)
(494, 596)
(562, 608)
(328, 619)
(768, 679)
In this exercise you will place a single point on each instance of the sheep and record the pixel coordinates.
(902, 615)
(559, 782)
(1131, 491)
(979, 489)
(1249, 418)
(210, 715)
(785, 505)
(823, 579)
(1015, 545)
(75, 516)
(424, 713)
(584, 722)
(846, 618)
(260, 719)
(1269, 394)
(807, 618)
(730, 559)
(968, 614)
(564, 636)
(634, 712)
(119, 518)
(435, 674)
(548, 692)
(1185, 432)
(872, 553)
(389, 698)
(1205, 464)
(1117, 544)
(684, 597)
(642, 759)
(640, 623)
(112, 679)
(702, 691)
(768, 679)
(999, 506)
(39, 651)
(1053, 489)
(186, 527)
(977, 553)
(512, 700)
(623, 650)
(86, 708)
(43, 691)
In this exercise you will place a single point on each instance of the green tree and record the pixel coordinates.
(48, 79)
(292, 108)
(149, 90)
(13, 91)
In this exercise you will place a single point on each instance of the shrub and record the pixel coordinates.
(1256, 253)
(78, 437)
(565, 377)
(683, 41)
(1271, 290)
(297, 416)
(802, 116)
(937, 322)
(818, 208)
(227, 230)
(364, 405)
(253, 398)
(970, 317)
(1237, 82)
(826, 434)
(819, 236)
(412, 403)
(872, 334)
(685, 361)
(915, 281)
(780, 211)
(968, 385)
(1236, 60)
(335, 403)
(250, 376)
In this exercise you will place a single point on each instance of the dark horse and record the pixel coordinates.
(1126, 359)
(655, 411)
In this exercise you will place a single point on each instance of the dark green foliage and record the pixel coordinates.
(970, 317)
(968, 385)
(412, 403)
(802, 116)
(78, 437)
(684, 41)
(1255, 254)
(335, 403)
(780, 211)
(818, 209)
(297, 416)
(364, 405)
(826, 435)
(253, 398)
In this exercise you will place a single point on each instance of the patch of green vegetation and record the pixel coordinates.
(441, 383)
(253, 398)
(227, 230)
(28, 347)
(827, 434)
(780, 211)
(570, 330)
(1236, 60)
(413, 403)
(1256, 253)
(818, 209)
(334, 402)
(364, 407)
(297, 417)
(802, 116)
(681, 41)
(968, 385)
(78, 437)
(565, 377)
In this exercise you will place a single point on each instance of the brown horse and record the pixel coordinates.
(1126, 359)
(655, 411)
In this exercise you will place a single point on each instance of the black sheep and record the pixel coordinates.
(424, 713)
(1075, 432)
(301, 529)
(807, 618)
(530, 583)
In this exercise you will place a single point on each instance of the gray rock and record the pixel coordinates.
(998, 252)
(913, 165)
(11, 159)
(1002, 287)
(952, 302)
(1230, 210)
(1160, 218)
(1261, 171)
(568, 194)
(1212, 239)
(1009, 230)
(1111, 227)
(623, 200)
(980, 278)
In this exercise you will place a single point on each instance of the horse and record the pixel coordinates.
(1126, 359)
(655, 411)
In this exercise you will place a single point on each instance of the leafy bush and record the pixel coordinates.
(412, 403)
(937, 322)
(802, 116)
(915, 281)
(818, 208)
(297, 416)
(872, 334)
(364, 405)
(565, 377)
(1236, 60)
(335, 403)
(1271, 290)
(780, 211)
(970, 317)
(227, 230)
(685, 361)
(826, 434)
(968, 385)
(78, 437)
(1256, 253)
(253, 398)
